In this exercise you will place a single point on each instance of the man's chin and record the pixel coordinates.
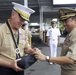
(16, 28)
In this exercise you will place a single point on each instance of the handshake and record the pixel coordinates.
(27, 61)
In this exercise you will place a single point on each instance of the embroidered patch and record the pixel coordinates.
(22, 36)
(68, 42)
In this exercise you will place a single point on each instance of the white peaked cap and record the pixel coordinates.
(24, 11)
(54, 19)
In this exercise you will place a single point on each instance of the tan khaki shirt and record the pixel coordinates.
(7, 47)
(69, 50)
(28, 33)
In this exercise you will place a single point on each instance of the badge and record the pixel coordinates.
(68, 42)
(17, 53)
(17, 50)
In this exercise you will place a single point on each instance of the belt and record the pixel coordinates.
(52, 39)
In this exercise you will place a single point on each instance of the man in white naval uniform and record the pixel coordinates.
(53, 39)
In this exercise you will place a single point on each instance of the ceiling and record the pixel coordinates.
(45, 6)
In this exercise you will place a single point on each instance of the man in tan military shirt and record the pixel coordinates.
(12, 40)
(28, 33)
(67, 60)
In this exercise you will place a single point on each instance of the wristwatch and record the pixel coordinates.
(47, 58)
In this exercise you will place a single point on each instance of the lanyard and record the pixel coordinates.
(13, 35)
(16, 43)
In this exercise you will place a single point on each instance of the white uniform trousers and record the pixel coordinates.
(53, 50)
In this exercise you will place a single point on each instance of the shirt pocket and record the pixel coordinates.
(22, 43)
(6, 46)
(7, 41)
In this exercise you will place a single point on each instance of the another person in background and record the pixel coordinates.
(28, 33)
(67, 60)
(53, 39)
(12, 40)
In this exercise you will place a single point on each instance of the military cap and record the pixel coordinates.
(66, 13)
(23, 11)
(53, 21)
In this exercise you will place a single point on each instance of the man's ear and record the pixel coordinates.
(13, 13)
